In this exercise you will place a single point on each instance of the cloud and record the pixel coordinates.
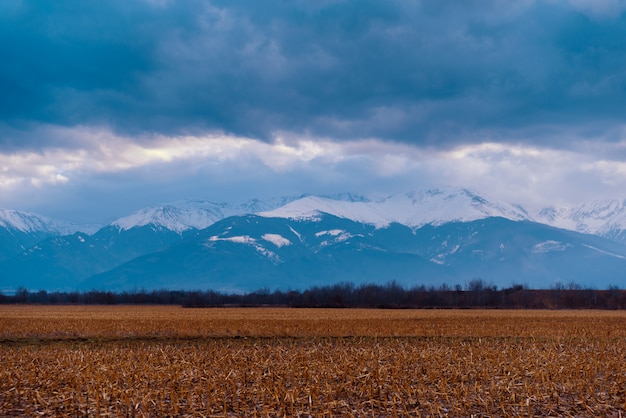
(600, 8)
(106, 175)
(146, 101)
(425, 73)
(101, 151)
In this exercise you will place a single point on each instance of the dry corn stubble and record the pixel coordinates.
(160, 361)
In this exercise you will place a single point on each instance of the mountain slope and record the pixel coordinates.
(540, 256)
(250, 252)
(194, 214)
(60, 263)
(177, 218)
(449, 235)
(21, 230)
(246, 253)
(435, 207)
(605, 218)
(28, 222)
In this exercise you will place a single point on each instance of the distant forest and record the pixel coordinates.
(477, 294)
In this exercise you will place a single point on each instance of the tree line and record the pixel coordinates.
(476, 294)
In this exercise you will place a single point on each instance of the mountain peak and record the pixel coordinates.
(184, 215)
(177, 217)
(414, 209)
(595, 217)
(28, 222)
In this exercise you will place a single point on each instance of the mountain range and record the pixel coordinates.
(447, 235)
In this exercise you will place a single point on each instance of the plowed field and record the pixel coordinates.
(169, 361)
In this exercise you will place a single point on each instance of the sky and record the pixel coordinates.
(108, 107)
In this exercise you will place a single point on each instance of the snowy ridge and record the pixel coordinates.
(311, 207)
(27, 222)
(194, 214)
(603, 217)
(435, 207)
(177, 218)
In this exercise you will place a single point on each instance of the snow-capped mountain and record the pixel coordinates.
(21, 230)
(175, 217)
(606, 218)
(28, 222)
(432, 207)
(414, 209)
(446, 235)
(246, 253)
(182, 216)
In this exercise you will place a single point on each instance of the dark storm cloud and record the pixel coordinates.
(434, 73)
